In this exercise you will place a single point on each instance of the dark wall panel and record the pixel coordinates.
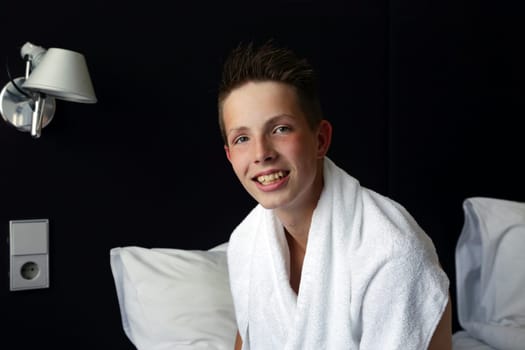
(456, 112)
(145, 165)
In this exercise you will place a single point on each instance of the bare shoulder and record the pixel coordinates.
(442, 338)
(238, 342)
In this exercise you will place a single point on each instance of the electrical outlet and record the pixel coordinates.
(29, 254)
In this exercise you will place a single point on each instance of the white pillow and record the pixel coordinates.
(174, 299)
(490, 272)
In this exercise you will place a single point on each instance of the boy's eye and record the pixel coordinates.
(281, 129)
(240, 139)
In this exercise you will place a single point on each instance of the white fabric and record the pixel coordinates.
(490, 272)
(461, 340)
(370, 280)
(173, 299)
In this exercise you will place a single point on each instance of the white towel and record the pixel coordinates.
(370, 280)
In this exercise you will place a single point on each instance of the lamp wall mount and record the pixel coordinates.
(17, 109)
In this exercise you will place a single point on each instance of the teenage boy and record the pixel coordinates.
(321, 262)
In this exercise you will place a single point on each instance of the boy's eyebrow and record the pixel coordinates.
(239, 129)
(277, 117)
(272, 120)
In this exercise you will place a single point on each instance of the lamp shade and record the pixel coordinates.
(62, 74)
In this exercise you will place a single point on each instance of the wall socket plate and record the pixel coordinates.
(29, 254)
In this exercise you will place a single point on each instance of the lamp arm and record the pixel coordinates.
(36, 121)
(15, 85)
(28, 66)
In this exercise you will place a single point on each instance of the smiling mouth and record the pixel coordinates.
(270, 178)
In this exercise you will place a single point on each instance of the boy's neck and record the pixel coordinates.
(298, 232)
(297, 224)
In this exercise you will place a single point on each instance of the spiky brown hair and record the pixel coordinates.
(269, 62)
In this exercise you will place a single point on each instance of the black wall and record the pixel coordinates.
(426, 99)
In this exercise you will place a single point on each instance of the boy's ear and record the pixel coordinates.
(324, 138)
(227, 150)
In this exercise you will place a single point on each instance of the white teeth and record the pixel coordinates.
(267, 179)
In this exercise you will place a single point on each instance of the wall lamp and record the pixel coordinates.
(28, 103)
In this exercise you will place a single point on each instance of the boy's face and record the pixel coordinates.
(272, 150)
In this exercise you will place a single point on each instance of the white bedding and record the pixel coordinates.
(174, 299)
(463, 341)
(490, 275)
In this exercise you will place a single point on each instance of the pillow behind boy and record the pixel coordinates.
(174, 299)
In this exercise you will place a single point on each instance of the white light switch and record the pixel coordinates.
(29, 254)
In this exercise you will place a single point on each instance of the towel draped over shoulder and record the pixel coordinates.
(371, 278)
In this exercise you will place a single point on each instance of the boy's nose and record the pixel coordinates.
(263, 151)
